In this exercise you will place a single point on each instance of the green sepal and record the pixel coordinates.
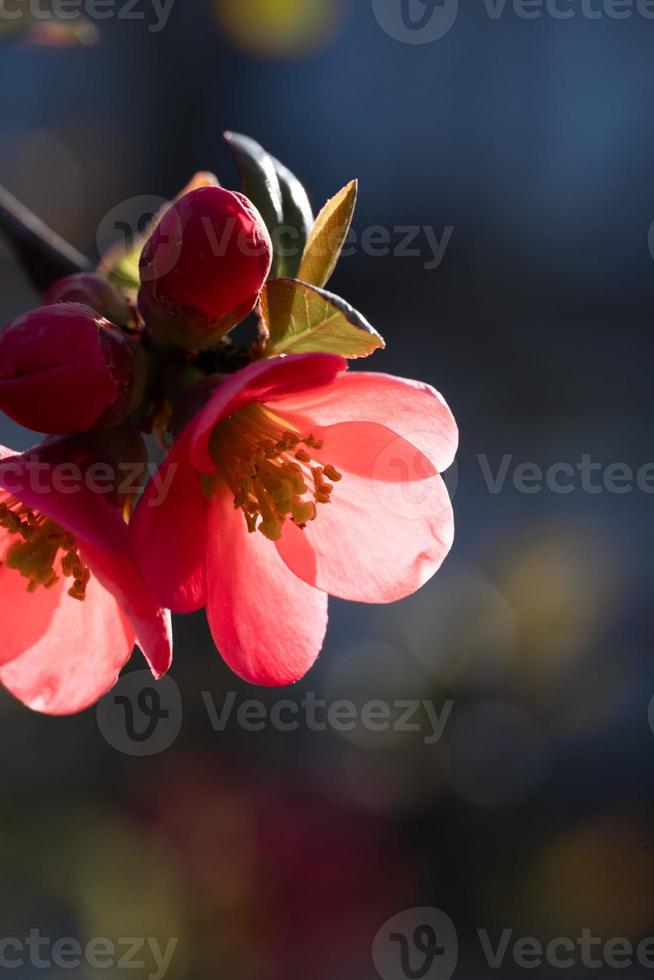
(299, 318)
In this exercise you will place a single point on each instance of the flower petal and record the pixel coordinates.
(263, 381)
(33, 479)
(25, 616)
(388, 527)
(169, 534)
(267, 624)
(78, 657)
(151, 624)
(413, 410)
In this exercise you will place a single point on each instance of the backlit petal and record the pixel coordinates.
(77, 659)
(263, 381)
(169, 532)
(388, 527)
(151, 624)
(413, 410)
(267, 624)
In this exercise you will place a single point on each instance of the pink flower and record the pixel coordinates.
(294, 482)
(73, 602)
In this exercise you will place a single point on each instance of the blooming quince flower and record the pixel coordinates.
(291, 484)
(73, 601)
(64, 369)
(203, 267)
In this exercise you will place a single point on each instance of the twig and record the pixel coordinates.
(43, 254)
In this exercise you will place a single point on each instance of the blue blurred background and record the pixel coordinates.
(280, 854)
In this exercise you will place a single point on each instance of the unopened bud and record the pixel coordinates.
(93, 291)
(203, 268)
(65, 369)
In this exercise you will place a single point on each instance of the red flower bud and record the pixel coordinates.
(93, 291)
(203, 267)
(65, 369)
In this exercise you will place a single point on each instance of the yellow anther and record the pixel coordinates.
(270, 470)
(35, 553)
(303, 512)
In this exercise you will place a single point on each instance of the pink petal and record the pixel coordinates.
(77, 659)
(413, 410)
(169, 535)
(263, 381)
(388, 528)
(267, 624)
(25, 616)
(367, 449)
(32, 478)
(150, 623)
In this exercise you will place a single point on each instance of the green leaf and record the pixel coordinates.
(259, 180)
(299, 318)
(297, 223)
(125, 272)
(328, 236)
(280, 198)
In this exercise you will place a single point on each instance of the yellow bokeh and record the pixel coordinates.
(597, 876)
(282, 28)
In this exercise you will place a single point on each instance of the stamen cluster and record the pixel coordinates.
(36, 552)
(271, 471)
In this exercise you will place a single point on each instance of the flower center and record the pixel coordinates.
(271, 470)
(38, 545)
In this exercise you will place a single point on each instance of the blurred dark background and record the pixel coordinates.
(281, 854)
